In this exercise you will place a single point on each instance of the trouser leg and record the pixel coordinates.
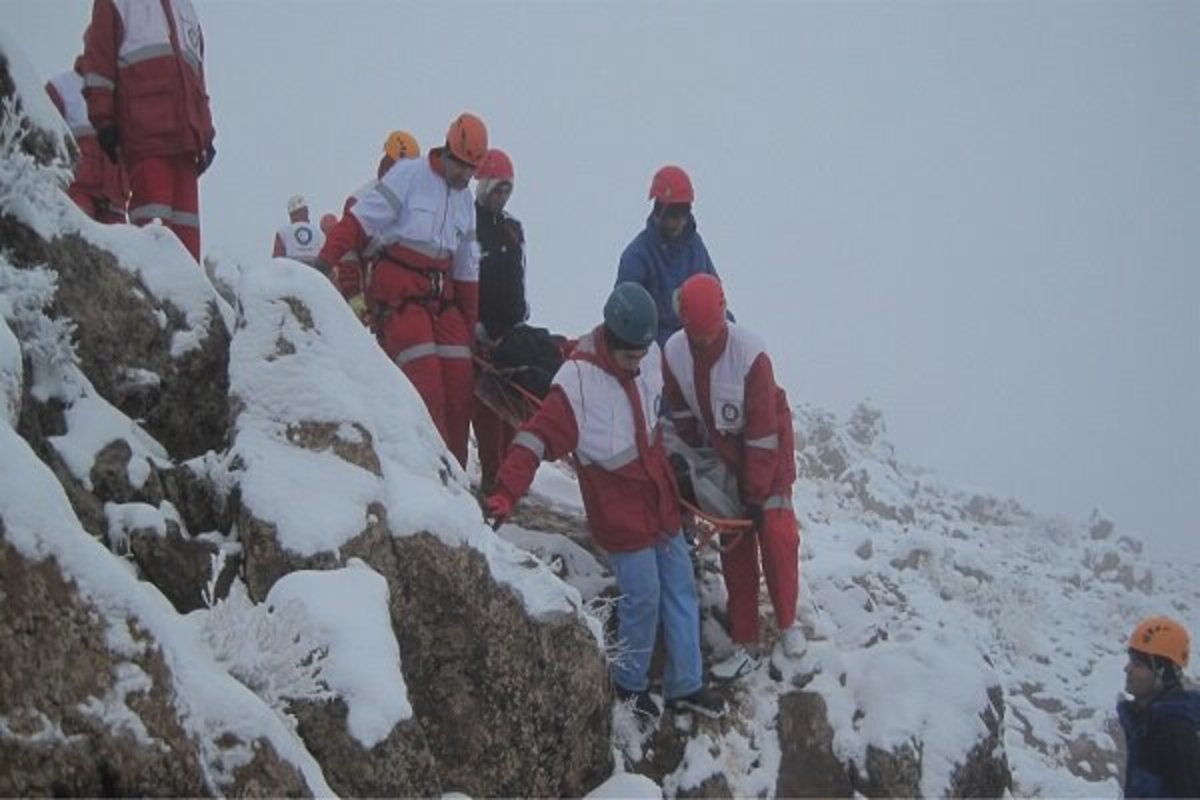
(407, 338)
(680, 612)
(185, 220)
(458, 379)
(165, 188)
(739, 567)
(780, 543)
(637, 616)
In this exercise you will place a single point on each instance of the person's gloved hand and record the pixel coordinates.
(499, 508)
(322, 266)
(358, 304)
(205, 159)
(754, 513)
(107, 138)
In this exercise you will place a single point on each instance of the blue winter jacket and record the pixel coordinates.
(1162, 748)
(662, 266)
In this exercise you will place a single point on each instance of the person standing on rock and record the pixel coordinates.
(721, 394)
(502, 303)
(669, 249)
(100, 187)
(1161, 720)
(143, 79)
(423, 290)
(299, 240)
(603, 408)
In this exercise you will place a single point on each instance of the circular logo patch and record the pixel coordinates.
(304, 235)
(730, 412)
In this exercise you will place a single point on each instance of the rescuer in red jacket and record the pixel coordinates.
(143, 78)
(424, 286)
(100, 187)
(720, 392)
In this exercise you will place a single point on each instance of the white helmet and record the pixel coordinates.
(295, 203)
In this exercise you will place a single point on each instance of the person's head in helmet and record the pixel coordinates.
(328, 221)
(297, 208)
(494, 181)
(398, 146)
(701, 304)
(466, 145)
(1158, 654)
(672, 193)
(630, 323)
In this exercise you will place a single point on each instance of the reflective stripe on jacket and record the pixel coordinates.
(609, 419)
(725, 396)
(95, 174)
(412, 210)
(143, 71)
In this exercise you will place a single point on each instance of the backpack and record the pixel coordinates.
(529, 357)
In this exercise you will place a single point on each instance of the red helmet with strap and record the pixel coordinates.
(496, 165)
(671, 185)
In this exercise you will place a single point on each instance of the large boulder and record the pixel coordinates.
(83, 715)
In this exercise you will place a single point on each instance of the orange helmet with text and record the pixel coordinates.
(467, 139)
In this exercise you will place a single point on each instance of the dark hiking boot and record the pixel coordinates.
(703, 701)
(644, 706)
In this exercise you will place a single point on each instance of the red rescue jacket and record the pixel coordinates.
(608, 418)
(725, 396)
(95, 175)
(143, 71)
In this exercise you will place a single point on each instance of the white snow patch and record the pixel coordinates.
(348, 610)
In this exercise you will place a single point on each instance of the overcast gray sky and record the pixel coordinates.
(985, 217)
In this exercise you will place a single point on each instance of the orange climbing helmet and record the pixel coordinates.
(467, 139)
(400, 145)
(1163, 637)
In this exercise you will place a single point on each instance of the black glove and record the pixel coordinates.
(683, 477)
(754, 513)
(107, 137)
(322, 266)
(205, 159)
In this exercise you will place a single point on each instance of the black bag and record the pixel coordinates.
(529, 357)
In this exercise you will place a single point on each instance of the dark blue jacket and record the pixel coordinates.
(662, 266)
(1162, 745)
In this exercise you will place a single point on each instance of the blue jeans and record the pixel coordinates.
(656, 585)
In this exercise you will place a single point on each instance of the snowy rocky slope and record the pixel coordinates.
(236, 558)
(919, 598)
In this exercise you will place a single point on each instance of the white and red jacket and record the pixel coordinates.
(95, 175)
(301, 241)
(143, 71)
(725, 396)
(609, 418)
(425, 232)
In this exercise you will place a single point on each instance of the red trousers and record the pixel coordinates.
(167, 188)
(434, 351)
(493, 436)
(779, 545)
(98, 208)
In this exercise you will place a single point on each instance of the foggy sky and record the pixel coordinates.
(984, 217)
